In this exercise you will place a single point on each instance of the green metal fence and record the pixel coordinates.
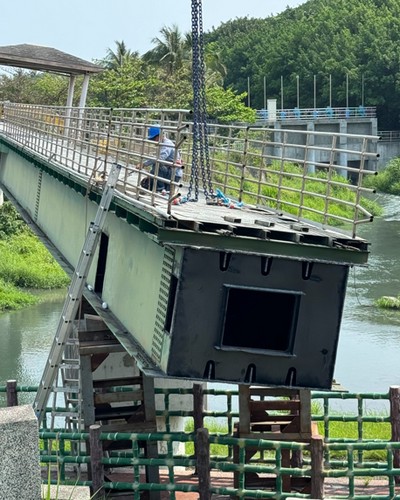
(355, 460)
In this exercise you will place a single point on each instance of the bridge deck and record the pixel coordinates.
(253, 222)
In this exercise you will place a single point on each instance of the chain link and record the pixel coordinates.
(200, 152)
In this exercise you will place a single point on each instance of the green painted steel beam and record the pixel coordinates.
(284, 249)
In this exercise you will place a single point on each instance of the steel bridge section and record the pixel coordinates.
(198, 291)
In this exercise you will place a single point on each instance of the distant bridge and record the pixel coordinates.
(347, 120)
(327, 113)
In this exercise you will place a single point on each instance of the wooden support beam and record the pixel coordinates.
(96, 465)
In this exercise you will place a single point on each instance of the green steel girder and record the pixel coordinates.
(302, 251)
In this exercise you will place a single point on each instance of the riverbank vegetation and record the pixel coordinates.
(25, 263)
(388, 302)
(387, 181)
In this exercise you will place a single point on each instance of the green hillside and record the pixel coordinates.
(358, 38)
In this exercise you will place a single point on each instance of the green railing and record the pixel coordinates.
(353, 460)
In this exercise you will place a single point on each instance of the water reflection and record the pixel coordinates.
(25, 338)
(369, 345)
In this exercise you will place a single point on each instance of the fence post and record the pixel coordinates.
(198, 420)
(198, 401)
(12, 395)
(203, 464)
(394, 397)
(317, 466)
(96, 465)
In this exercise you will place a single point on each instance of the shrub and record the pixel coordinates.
(387, 181)
(10, 222)
(387, 302)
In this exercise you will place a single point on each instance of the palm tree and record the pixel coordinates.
(116, 59)
(171, 49)
(216, 70)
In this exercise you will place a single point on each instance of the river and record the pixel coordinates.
(368, 357)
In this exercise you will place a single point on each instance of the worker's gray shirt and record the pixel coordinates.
(166, 152)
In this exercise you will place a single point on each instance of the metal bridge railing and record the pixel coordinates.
(389, 135)
(311, 175)
(314, 114)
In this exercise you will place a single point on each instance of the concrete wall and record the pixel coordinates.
(19, 454)
(363, 126)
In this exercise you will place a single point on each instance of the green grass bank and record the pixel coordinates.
(25, 263)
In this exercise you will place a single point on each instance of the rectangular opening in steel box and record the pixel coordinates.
(259, 318)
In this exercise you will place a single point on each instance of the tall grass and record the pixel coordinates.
(12, 299)
(285, 187)
(25, 262)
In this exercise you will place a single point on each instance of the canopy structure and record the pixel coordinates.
(41, 58)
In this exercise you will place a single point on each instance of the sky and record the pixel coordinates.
(87, 28)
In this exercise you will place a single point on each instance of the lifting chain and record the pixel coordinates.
(200, 154)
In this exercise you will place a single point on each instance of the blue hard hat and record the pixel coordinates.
(153, 132)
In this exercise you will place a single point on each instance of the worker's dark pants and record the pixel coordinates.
(164, 172)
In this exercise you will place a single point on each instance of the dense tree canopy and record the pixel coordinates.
(338, 52)
(354, 41)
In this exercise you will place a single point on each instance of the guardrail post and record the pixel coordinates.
(317, 466)
(12, 395)
(96, 465)
(394, 397)
(203, 464)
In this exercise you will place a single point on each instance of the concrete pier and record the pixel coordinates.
(19, 454)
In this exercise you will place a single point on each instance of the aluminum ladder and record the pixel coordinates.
(57, 363)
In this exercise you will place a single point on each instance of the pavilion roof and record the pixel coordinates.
(39, 58)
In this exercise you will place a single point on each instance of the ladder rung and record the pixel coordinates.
(73, 389)
(67, 363)
(62, 337)
(72, 342)
(70, 414)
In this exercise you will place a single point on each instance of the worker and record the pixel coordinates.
(166, 152)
